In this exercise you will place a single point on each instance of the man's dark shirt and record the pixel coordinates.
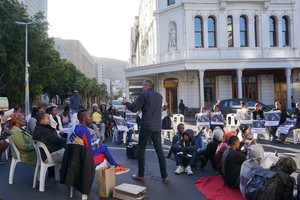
(150, 103)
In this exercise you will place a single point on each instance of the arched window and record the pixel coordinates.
(243, 32)
(198, 27)
(211, 32)
(285, 32)
(256, 31)
(272, 31)
(171, 2)
(230, 31)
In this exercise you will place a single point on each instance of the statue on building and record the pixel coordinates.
(172, 37)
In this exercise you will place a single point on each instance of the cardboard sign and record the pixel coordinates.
(217, 118)
(203, 119)
(272, 118)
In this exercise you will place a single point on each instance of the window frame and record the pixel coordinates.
(212, 31)
(198, 32)
(244, 31)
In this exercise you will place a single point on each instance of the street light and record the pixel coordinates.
(26, 68)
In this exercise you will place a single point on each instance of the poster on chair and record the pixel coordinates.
(258, 126)
(120, 123)
(216, 118)
(203, 119)
(272, 118)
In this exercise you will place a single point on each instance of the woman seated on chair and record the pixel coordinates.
(21, 139)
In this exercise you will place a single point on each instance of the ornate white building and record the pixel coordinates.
(204, 50)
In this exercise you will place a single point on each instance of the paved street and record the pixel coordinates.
(180, 187)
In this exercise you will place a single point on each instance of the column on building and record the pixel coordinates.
(288, 72)
(201, 87)
(239, 81)
(127, 88)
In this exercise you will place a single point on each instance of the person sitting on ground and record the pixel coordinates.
(222, 147)
(295, 114)
(201, 147)
(45, 133)
(211, 148)
(32, 121)
(285, 166)
(185, 152)
(175, 139)
(232, 161)
(255, 156)
(65, 117)
(81, 135)
(22, 140)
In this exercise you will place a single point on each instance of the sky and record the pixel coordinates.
(102, 26)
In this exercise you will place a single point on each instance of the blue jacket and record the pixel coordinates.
(150, 103)
(181, 145)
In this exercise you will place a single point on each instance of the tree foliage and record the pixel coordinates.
(48, 73)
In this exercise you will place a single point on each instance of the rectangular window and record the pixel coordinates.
(171, 2)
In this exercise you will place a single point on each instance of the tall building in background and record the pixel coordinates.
(74, 51)
(202, 51)
(100, 73)
(35, 6)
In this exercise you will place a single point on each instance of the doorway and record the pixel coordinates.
(171, 85)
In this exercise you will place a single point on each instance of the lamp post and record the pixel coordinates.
(26, 68)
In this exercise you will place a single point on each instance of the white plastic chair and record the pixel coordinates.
(231, 122)
(42, 166)
(296, 135)
(14, 160)
(177, 119)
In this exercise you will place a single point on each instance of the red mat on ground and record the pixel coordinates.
(213, 188)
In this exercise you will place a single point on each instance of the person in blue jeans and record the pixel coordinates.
(149, 102)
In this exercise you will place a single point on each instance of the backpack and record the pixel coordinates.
(262, 185)
(166, 123)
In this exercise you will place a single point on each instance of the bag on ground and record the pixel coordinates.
(106, 181)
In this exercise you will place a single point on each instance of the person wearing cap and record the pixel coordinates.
(232, 161)
(185, 152)
(255, 156)
(75, 101)
(211, 148)
(257, 113)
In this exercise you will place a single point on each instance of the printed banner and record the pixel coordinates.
(244, 116)
(131, 118)
(284, 128)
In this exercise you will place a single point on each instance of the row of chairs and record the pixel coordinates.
(41, 166)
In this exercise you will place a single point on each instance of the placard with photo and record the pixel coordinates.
(216, 118)
(284, 128)
(203, 119)
(131, 118)
(258, 126)
(272, 118)
(121, 123)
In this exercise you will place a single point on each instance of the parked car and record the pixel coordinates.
(232, 105)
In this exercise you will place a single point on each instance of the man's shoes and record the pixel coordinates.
(138, 178)
(279, 141)
(188, 170)
(121, 170)
(179, 170)
(165, 180)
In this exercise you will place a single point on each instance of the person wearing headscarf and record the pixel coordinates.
(22, 139)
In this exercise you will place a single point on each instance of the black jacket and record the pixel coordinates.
(48, 135)
(77, 168)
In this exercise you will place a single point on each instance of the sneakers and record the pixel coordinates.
(121, 170)
(188, 170)
(179, 169)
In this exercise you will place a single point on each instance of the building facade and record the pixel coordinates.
(202, 51)
(35, 6)
(74, 51)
